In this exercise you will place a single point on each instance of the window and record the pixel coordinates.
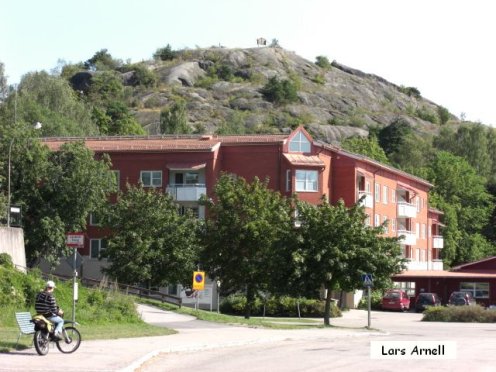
(367, 186)
(408, 287)
(377, 193)
(417, 203)
(306, 180)
(393, 196)
(478, 290)
(191, 178)
(386, 228)
(417, 230)
(377, 220)
(151, 178)
(422, 231)
(95, 219)
(385, 192)
(183, 210)
(288, 180)
(367, 220)
(299, 143)
(393, 225)
(97, 246)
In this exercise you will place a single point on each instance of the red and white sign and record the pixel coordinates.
(75, 239)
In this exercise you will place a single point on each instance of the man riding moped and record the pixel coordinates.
(46, 305)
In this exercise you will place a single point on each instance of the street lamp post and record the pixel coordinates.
(37, 125)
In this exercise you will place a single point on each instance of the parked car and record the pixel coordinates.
(395, 299)
(461, 299)
(426, 299)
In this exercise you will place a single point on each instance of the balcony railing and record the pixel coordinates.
(407, 237)
(406, 210)
(367, 201)
(187, 192)
(437, 241)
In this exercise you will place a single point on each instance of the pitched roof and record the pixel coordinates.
(304, 160)
(443, 274)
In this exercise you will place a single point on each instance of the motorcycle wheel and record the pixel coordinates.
(70, 342)
(41, 342)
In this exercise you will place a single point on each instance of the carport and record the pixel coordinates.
(476, 277)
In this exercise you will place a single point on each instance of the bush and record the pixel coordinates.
(280, 91)
(473, 314)
(6, 260)
(165, 54)
(427, 114)
(443, 114)
(375, 301)
(410, 91)
(284, 306)
(323, 62)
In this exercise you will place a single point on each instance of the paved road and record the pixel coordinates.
(211, 347)
(130, 353)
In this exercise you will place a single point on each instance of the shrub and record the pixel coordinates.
(410, 91)
(375, 301)
(319, 79)
(284, 306)
(443, 114)
(165, 54)
(6, 260)
(280, 91)
(427, 114)
(475, 314)
(323, 62)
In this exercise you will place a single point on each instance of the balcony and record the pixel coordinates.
(406, 210)
(437, 265)
(407, 237)
(186, 192)
(437, 241)
(367, 201)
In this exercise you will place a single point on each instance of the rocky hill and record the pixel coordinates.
(334, 101)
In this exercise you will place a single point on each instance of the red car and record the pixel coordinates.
(396, 299)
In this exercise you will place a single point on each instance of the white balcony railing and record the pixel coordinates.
(187, 192)
(367, 201)
(437, 265)
(437, 241)
(406, 210)
(407, 237)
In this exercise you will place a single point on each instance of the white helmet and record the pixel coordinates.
(50, 284)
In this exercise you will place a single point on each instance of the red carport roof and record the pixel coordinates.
(444, 274)
(304, 160)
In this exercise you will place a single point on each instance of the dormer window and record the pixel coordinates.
(299, 143)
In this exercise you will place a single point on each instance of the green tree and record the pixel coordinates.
(3, 83)
(444, 114)
(391, 137)
(56, 191)
(50, 100)
(246, 223)
(280, 91)
(102, 60)
(366, 146)
(461, 193)
(165, 54)
(151, 243)
(174, 119)
(335, 247)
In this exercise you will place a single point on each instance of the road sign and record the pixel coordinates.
(75, 264)
(367, 280)
(199, 280)
(75, 239)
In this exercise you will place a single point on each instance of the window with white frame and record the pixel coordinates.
(422, 231)
(377, 193)
(377, 220)
(478, 289)
(306, 180)
(408, 287)
(299, 143)
(367, 186)
(385, 192)
(151, 178)
(95, 219)
(97, 246)
(393, 196)
(367, 220)
(417, 203)
(288, 180)
(386, 227)
(417, 230)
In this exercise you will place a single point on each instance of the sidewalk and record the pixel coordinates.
(127, 354)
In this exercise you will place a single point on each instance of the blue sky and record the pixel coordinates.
(444, 48)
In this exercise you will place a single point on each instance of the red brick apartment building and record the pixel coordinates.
(189, 166)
